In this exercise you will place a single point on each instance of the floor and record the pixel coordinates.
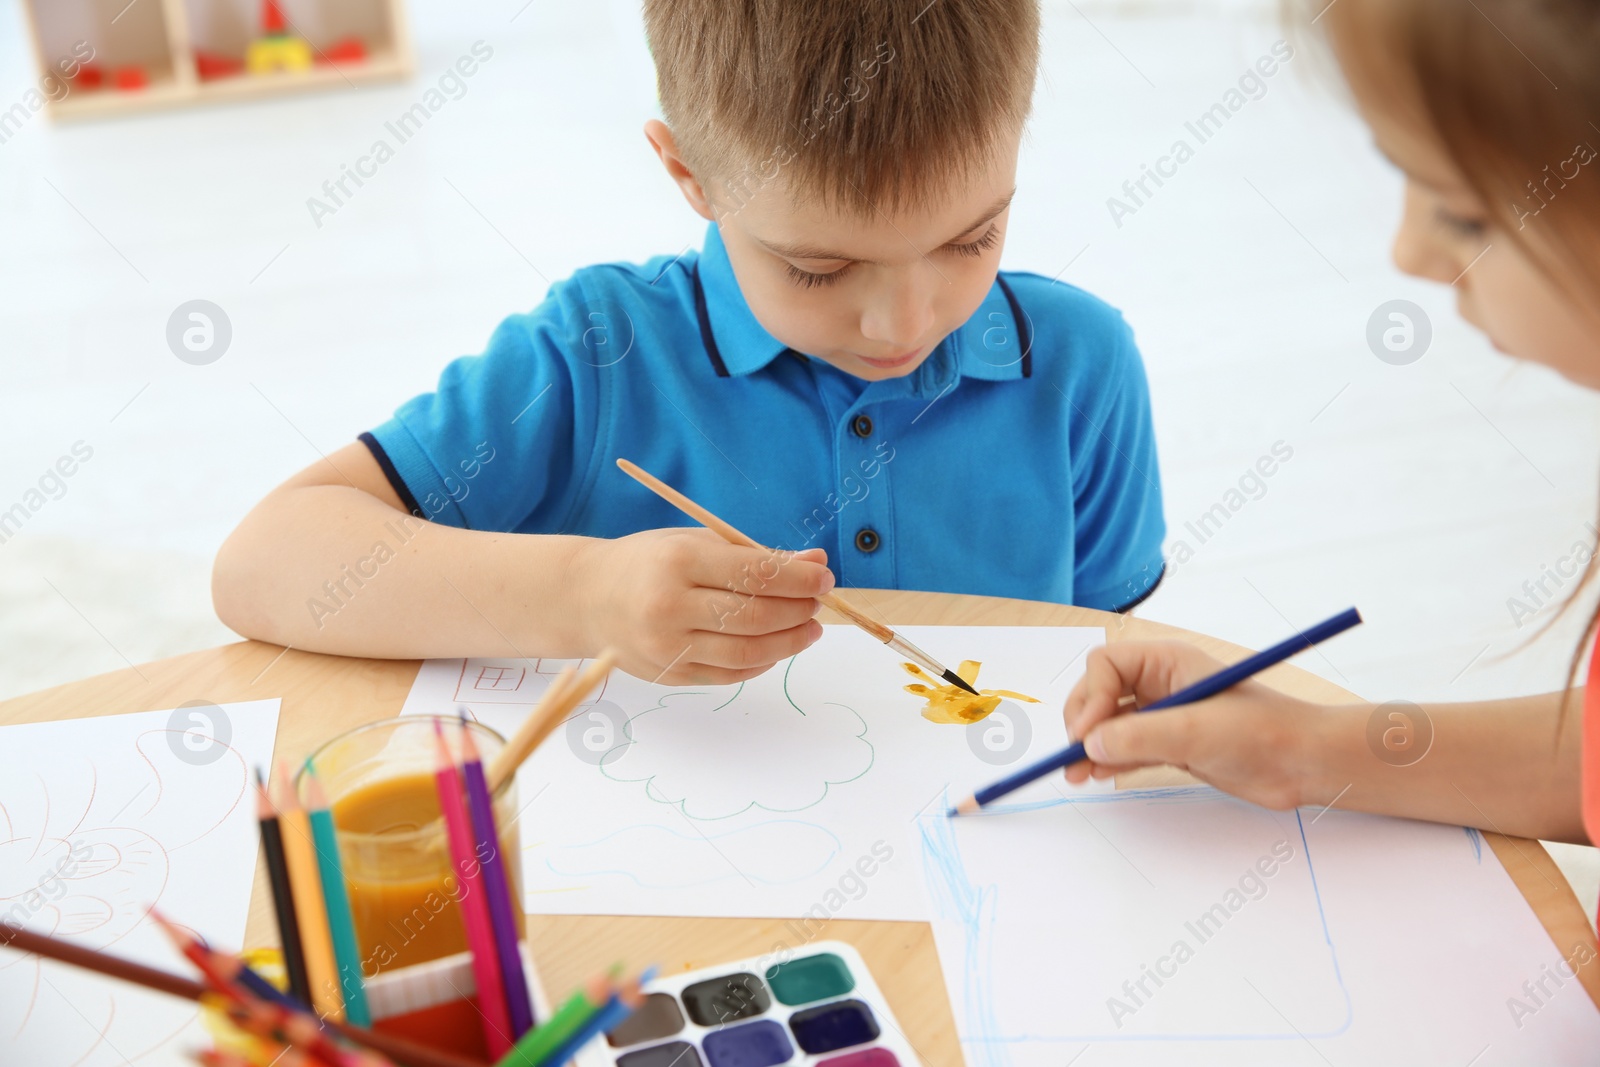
(1426, 493)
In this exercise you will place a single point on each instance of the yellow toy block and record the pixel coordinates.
(267, 55)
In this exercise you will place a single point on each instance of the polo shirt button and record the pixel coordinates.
(861, 426)
(867, 539)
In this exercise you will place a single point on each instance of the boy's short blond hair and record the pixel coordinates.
(861, 103)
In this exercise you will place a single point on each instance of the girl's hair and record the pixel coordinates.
(1510, 91)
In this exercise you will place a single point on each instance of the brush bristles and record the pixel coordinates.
(959, 682)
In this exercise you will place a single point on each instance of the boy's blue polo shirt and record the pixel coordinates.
(1018, 460)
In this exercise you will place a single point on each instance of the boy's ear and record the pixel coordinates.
(659, 134)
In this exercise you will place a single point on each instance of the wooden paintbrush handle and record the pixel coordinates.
(727, 531)
(733, 535)
(845, 608)
(559, 700)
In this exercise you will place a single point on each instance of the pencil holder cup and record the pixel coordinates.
(381, 787)
(435, 1004)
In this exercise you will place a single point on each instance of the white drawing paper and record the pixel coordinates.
(1185, 926)
(101, 818)
(793, 795)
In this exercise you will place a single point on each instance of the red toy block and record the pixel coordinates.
(346, 50)
(211, 66)
(272, 21)
(130, 78)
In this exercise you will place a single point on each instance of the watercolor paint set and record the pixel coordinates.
(820, 1007)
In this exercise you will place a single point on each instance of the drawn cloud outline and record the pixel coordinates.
(682, 803)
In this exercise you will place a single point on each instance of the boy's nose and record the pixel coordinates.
(899, 317)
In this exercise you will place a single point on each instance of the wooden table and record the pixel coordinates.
(326, 695)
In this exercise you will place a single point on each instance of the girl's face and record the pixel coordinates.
(1448, 235)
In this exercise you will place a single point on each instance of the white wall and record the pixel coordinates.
(1425, 494)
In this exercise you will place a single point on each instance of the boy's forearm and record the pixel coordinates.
(332, 569)
(1511, 766)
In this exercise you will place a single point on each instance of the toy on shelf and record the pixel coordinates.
(210, 66)
(278, 49)
(181, 52)
(344, 50)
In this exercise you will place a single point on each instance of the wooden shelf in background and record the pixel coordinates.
(173, 81)
(167, 92)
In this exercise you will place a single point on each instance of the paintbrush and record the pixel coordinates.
(733, 536)
(564, 694)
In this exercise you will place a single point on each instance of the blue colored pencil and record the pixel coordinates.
(255, 983)
(497, 886)
(612, 1013)
(251, 980)
(1226, 678)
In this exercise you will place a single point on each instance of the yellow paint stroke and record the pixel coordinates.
(951, 703)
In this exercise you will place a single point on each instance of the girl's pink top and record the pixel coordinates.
(1591, 749)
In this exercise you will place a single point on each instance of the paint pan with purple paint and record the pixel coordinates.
(819, 1008)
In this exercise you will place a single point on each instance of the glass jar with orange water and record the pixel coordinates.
(385, 802)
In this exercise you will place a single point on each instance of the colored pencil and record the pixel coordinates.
(733, 535)
(228, 970)
(341, 923)
(260, 1017)
(536, 1046)
(623, 1002)
(105, 963)
(294, 960)
(210, 1057)
(270, 1044)
(1208, 687)
(297, 1031)
(264, 989)
(473, 902)
(399, 1049)
(202, 957)
(496, 884)
(305, 881)
(558, 701)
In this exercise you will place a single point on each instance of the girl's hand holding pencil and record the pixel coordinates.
(1250, 741)
(1113, 692)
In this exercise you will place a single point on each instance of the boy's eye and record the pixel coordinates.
(806, 279)
(978, 247)
(1460, 225)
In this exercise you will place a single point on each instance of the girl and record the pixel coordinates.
(1490, 108)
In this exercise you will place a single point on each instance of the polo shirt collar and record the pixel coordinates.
(995, 344)
(740, 342)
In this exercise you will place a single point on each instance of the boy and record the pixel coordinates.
(840, 372)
